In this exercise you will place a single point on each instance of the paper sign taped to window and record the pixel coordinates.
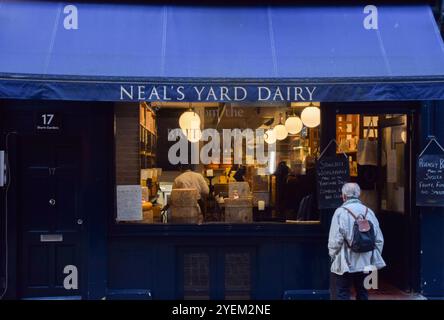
(129, 203)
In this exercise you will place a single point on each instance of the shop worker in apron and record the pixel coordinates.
(355, 246)
(190, 179)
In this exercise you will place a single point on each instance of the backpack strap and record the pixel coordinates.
(349, 211)
(353, 215)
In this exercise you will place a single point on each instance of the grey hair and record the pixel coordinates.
(351, 190)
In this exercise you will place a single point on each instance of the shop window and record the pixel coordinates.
(393, 157)
(252, 163)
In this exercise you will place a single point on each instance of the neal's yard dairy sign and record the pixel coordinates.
(274, 91)
(217, 93)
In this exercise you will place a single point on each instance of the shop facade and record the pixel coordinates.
(76, 116)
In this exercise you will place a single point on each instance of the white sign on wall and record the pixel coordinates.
(129, 203)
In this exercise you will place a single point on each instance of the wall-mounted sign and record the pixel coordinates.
(217, 93)
(430, 180)
(430, 176)
(129, 203)
(332, 173)
(48, 122)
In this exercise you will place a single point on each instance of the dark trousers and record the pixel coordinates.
(344, 283)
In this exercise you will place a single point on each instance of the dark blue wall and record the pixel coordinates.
(277, 264)
(432, 219)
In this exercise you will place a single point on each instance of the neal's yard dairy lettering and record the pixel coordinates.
(430, 180)
(216, 93)
(332, 173)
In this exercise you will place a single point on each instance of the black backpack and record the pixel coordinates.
(364, 238)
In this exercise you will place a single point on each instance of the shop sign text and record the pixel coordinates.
(216, 93)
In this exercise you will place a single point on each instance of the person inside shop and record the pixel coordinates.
(354, 248)
(191, 179)
(309, 210)
(281, 174)
(310, 175)
(295, 190)
(301, 191)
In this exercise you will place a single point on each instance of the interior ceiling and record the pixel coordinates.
(220, 104)
(184, 105)
(242, 117)
(230, 116)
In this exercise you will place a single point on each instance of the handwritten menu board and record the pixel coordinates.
(129, 203)
(332, 173)
(430, 180)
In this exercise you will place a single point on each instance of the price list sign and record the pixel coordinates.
(430, 180)
(332, 173)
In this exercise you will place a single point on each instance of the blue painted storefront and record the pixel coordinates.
(150, 258)
(283, 257)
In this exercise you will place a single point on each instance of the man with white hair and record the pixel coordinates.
(355, 244)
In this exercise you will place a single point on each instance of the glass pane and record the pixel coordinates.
(356, 135)
(393, 168)
(251, 162)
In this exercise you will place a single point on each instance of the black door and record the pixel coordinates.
(51, 222)
(395, 210)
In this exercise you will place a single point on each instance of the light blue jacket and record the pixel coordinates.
(341, 230)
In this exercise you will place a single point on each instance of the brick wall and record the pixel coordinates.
(127, 143)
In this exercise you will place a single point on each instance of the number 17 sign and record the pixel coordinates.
(47, 122)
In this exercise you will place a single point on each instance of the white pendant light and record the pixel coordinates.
(311, 116)
(280, 130)
(189, 120)
(293, 124)
(270, 136)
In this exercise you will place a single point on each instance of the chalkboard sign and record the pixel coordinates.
(332, 173)
(430, 180)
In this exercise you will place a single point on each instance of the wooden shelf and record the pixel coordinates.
(148, 137)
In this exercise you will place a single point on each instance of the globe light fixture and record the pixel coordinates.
(293, 124)
(311, 116)
(189, 120)
(280, 131)
(270, 136)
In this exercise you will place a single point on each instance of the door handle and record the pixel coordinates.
(52, 202)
